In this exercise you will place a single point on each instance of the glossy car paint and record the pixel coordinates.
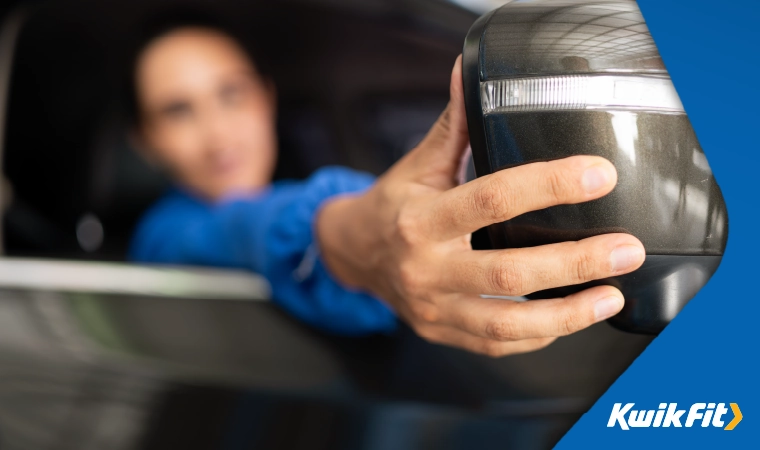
(666, 193)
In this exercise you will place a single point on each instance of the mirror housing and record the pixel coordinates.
(548, 79)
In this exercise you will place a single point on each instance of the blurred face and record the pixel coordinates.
(206, 114)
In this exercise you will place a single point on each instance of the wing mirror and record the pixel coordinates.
(547, 79)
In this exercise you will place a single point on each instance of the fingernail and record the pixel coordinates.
(595, 178)
(607, 307)
(626, 257)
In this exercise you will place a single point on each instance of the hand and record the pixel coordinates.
(407, 241)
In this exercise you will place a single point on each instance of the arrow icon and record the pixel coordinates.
(737, 417)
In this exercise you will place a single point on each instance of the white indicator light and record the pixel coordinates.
(580, 92)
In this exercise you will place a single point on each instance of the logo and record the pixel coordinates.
(668, 415)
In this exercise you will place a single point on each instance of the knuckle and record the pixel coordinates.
(492, 200)
(424, 312)
(444, 121)
(411, 282)
(571, 322)
(407, 228)
(500, 330)
(557, 185)
(507, 278)
(583, 268)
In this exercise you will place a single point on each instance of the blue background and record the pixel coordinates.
(709, 353)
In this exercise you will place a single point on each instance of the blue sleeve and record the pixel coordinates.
(271, 234)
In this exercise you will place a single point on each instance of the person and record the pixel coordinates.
(345, 252)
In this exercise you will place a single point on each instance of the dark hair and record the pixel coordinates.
(168, 21)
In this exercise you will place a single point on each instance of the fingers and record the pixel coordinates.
(525, 270)
(508, 193)
(441, 334)
(504, 320)
(436, 159)
(449, 136)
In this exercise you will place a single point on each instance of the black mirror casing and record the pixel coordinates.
(666, 193)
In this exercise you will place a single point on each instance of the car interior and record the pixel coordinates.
(359, 84)
(356, 88)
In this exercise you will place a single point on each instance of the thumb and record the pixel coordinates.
(438, 156)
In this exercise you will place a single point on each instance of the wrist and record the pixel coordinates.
(340, 233)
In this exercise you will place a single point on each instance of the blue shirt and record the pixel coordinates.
(270, 233)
